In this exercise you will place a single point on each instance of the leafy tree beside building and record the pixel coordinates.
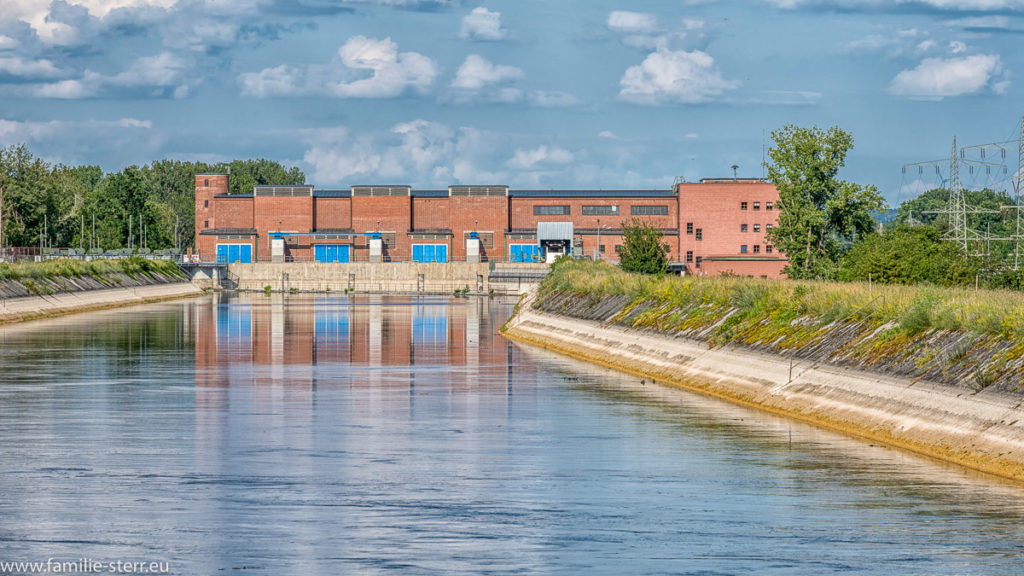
(820, 215)
(642, 250)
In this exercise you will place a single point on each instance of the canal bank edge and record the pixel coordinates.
(983, 431)
(46, 306)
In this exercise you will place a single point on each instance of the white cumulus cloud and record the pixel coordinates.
(367, 68)
(539, 156)
(15, 66)
(150, 76)
(937, 78)
(482, 24)
(666, 77)
(477, 72)
(632, 22)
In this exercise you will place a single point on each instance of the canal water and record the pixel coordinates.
(309, 435)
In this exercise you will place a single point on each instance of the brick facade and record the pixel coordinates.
(728, 216)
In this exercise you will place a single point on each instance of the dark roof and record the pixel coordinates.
(232, 195)
(592, 193)
(430, 193)
(228, 232)
(332, 193)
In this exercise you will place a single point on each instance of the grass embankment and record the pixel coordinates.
(68, 275)
(70, 268)
(957, 336)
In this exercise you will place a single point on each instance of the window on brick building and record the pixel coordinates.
(768, 205)
(757, 227)
(666, 248)
(486, 239)
(768, 226)
(206, 223)
(689, 256)
(550, 210)
(689, 227)
(743, 249)
(743, 227)
(757, 248)
(600, 210)
(699, 260)
(768, 248)
(206, 203)
(206, 183)
(618, 248)
(757, 205)
(648, 210)
(743, 205)
(700, 233)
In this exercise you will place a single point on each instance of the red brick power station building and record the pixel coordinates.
(710, 227)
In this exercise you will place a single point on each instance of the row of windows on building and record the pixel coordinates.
(768, 249)
(600, 210)
(699, 232)
(757, 205)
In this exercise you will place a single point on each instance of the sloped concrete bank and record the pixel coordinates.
(983, 430)
(22, 307)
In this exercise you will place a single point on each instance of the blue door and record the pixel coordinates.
(330, 252)
(523, 252)
(429, 252)
(231, 253)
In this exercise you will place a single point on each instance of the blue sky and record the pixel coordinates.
(534, 94)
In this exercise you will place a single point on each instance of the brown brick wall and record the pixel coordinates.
(287, 214)
(332, 213)
(715, 208)
(429, 213)
(234, 212)
(482, 214)
(207, 185)
(393, 214)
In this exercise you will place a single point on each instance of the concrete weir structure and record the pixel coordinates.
(983, 431)
(391, 277)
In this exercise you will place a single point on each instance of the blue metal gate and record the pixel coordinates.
(524, 252)
(331, 253)
(231, 253)
(429, 252)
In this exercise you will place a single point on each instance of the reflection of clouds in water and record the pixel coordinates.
(332, 458)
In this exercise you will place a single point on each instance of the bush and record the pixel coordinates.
(642, 250)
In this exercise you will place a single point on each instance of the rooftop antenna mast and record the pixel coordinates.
(735, 167)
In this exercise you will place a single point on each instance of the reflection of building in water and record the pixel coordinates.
(279, 341)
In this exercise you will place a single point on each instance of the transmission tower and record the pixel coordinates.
(956, 209)
(1018, 187)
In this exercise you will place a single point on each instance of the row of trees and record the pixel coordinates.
(57, 205)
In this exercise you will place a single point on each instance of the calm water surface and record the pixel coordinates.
(333, 435)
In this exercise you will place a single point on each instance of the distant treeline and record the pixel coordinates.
(56, 205)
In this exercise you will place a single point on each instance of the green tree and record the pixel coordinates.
(642, 250)
(819, 214)
(909, 255)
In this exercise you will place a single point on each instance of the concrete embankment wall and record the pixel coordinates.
(389, 277)
(41, 306)
(983, 430)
